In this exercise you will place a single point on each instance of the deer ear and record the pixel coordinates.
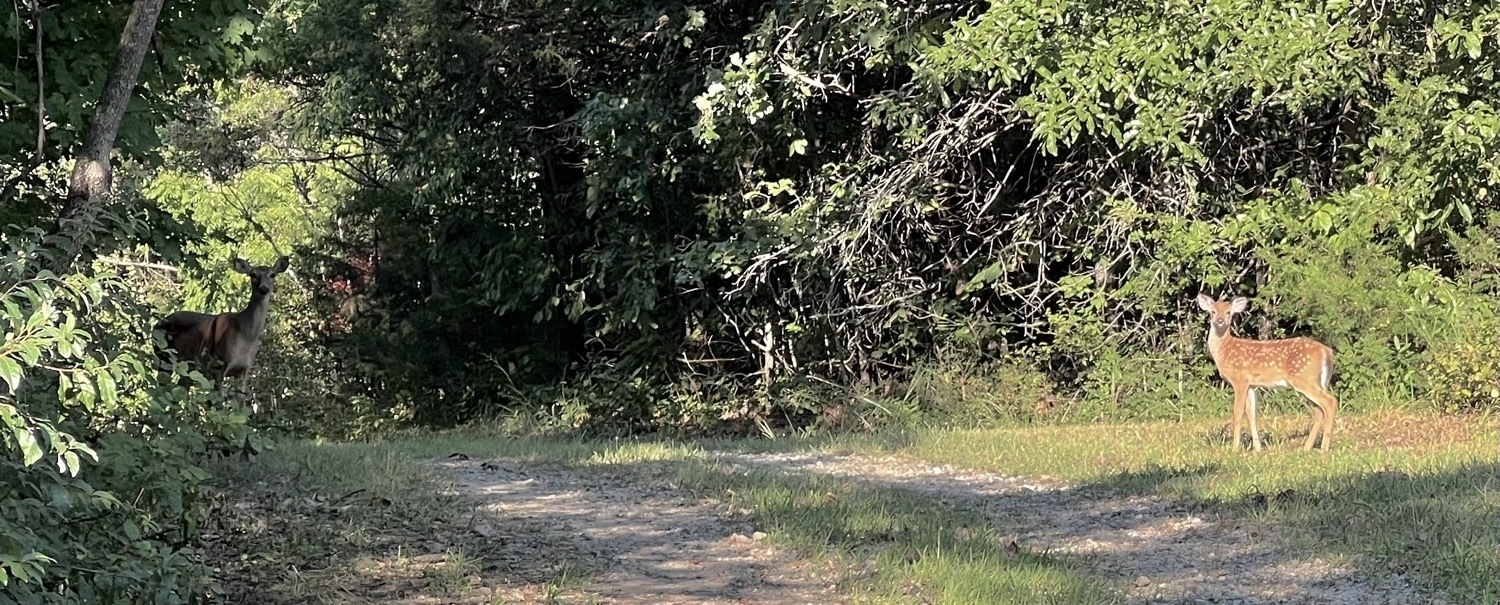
(1239, 305)
(241, 266)
(1205, 302)
(281, 265)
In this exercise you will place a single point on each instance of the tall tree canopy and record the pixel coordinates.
(753, 194)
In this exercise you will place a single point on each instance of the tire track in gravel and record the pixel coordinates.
(639, 544)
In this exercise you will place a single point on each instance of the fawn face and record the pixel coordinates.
(1221, 314)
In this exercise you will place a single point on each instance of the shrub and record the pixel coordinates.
(100, 493)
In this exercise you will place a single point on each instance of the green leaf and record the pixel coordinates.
(238, 27)
(54, 438)
(71, 465)
(64, 385)
(37, 318)
(87, 451)
(10, 372)
(30, 450)
(986, 275)
(14, 314)
(30, 353)
(106, 388)
(132, 531)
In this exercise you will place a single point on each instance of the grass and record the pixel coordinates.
(911, 547)
(896, 546)
(1399, 491)
(359, 523)
(1194, 459)
(887, 545)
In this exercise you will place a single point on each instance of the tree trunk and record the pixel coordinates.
(91, 172)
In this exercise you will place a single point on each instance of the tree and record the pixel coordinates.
(84, 414)
(92, 171)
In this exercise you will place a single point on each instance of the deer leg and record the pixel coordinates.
(245, 390)
(231, 371)
(1330, 407)
(1318, 419)
(1240, 395)
(1250, 416)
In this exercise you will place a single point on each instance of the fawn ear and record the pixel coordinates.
(1239, 305)
(241, 266)
(1205, 302)
(281, 265)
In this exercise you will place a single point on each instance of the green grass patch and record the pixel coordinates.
(1400, 492)
(1409, 492)
(912, 547)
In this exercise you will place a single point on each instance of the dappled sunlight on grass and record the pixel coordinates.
(646, 451)
(904, 543)
(893, 544)
(313, 522)
(1401, 492)
(1169, 457)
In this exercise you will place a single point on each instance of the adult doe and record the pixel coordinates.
(1303, 364)
(230, 339)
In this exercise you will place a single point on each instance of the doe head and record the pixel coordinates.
(1221, 313)
(262, 279)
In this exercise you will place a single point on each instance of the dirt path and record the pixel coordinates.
(1157, 551)
(651, 545)
(645, 545)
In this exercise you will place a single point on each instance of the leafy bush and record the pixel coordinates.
(671, 220)
(976, 393)
(1463, 367)
(100, 491)
(1465, 376)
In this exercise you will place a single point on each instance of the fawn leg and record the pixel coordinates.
(1317, 424)
(1331, 406)
(1241, 393)
(1250, 415)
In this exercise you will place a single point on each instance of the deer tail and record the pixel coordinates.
(1326, 376)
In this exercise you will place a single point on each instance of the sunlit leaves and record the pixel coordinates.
(238, 176)
(10, 372)
(890, 176)
(27, 568)
(1440, 152)
(197, 41)
(46, 338)
(740, 92)
(1148, 76)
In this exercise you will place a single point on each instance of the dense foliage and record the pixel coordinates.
(101, 492)
(100, 486)
(634, 216)
(675, 214)
(43, 119)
